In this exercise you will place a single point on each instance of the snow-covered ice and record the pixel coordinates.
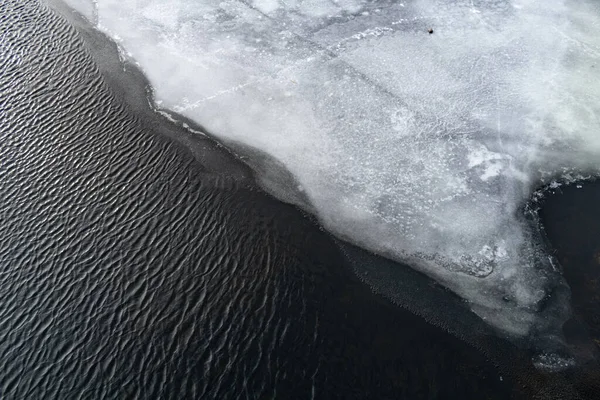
(422, 147)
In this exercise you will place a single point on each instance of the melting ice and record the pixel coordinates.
(422, 147)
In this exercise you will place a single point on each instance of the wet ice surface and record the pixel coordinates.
(419, 146)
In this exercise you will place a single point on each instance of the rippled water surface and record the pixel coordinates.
(133, 265)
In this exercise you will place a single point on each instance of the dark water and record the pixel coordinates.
(571, 221)
(140, 261)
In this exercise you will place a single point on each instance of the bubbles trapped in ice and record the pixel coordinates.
(417, 146)
(552, 362)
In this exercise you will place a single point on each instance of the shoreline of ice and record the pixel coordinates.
(443, 194)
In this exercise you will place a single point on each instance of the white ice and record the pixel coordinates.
(422, 147)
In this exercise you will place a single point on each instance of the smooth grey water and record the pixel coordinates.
(138, 260)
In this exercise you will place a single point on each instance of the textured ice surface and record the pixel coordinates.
(86, 8)
(419, 146)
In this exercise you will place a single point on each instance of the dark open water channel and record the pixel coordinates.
(138, 260)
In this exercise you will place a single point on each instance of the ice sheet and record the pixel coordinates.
(87, 8)
(422, 147)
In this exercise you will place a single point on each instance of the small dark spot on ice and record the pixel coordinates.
(430, 31)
